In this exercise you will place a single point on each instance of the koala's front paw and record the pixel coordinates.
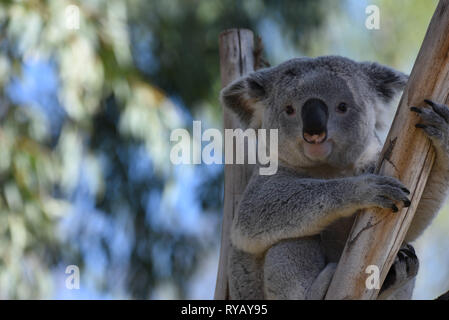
(383, 192)
(404, 268)
(435, 123)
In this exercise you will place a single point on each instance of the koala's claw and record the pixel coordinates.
(404, 268)
(407, 257)
(429, 102)
(440, 109)
(415, 109)
(435, 123)
(386, 192)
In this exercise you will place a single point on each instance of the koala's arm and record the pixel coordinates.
(285, 206)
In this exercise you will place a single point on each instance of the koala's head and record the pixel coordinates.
(326, 109)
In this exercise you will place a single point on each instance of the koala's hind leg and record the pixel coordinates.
(291, 268)
(320, 285)
(400, 280)
(245, 273)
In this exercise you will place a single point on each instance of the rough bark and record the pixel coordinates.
(236, 60)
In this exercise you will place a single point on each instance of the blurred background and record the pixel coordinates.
(86, 110)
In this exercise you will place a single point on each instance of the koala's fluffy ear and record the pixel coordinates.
(387, 83)
(385, 80)
(244, 97)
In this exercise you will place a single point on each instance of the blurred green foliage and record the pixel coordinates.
(85, 188)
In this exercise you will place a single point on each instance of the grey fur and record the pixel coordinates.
(401, 275)
(290, 228)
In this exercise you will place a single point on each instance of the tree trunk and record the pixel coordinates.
(236, 60)
(407, 155)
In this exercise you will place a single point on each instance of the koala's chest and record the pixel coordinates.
(334, 238)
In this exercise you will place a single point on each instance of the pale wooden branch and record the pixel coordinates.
(407, 155)
(236, 60)
(444, 296)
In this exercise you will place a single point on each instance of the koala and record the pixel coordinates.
(290, 228)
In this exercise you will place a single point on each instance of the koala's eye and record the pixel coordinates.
(342, 108)
(289, 110)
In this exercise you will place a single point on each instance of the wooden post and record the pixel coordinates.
(407, 155)
(236, 60)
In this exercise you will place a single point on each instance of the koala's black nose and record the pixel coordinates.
(314, 115)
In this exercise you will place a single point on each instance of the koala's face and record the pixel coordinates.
(320, 119)
(324, 108)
